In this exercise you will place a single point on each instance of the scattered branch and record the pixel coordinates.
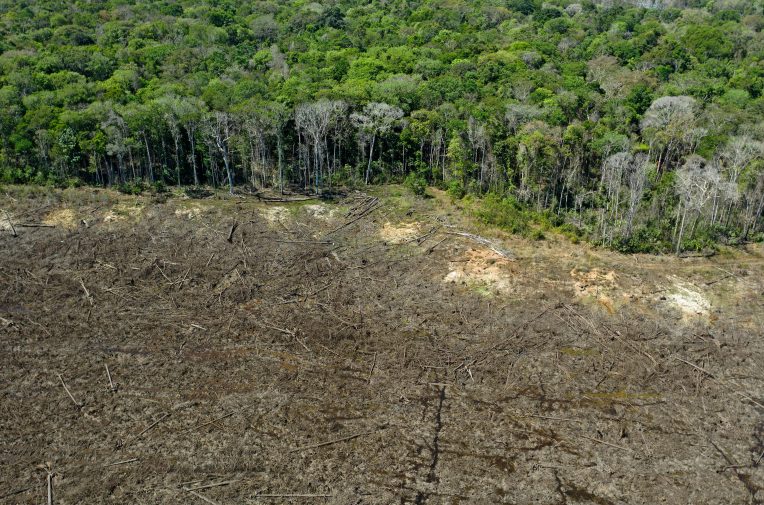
(292, 495)
(123, 462)
(78, 404)
(202, 425)
(200, 496)
(486, 242)
(232, 230)
(166, 415)
(87, 293)
(50, 487)
(36, 225)
(216, 484)
(111, 384)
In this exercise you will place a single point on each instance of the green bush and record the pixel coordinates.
(506, 213)
(571, 232)
(704, 239)
(131, 188)
(647, 239)
(456, 190)
(64, 183)
(74, 182)
(416, 183)
(16, 175)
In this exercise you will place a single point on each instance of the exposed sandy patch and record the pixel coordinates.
(688, 299)
(399, 233)
(596, 284)
(320, 211)
(482, 267)
(275, 214)
(122, 212)
(110, 217)
(189, 213)
(63, 218)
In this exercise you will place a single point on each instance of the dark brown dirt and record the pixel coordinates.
(350, 367)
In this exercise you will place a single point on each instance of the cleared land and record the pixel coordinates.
(373, 349)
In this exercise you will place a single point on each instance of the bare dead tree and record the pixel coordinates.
(314, 120)
(696, 180)
(220, 127)
(670, 126)
(636, 180)
(613, 169)
(376, 119)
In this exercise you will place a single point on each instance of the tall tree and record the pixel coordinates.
(376, 119)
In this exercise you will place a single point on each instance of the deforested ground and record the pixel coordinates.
(375, 348)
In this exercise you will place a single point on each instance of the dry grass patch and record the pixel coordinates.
(399, 233)
(274, 215)
(63, 218)
(482, 268)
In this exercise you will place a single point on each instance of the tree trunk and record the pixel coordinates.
(371, 153)
(177, 159)
(681, 232)
(148, 157)
(228, 168)
(192, 141)
(279, 148)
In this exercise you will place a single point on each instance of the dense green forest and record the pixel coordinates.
(637, 126)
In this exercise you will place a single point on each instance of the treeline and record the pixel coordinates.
(636, 125)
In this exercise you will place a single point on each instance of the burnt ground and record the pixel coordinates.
(390, 360)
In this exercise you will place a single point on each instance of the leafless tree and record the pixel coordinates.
(377, 118)
(636, 180)
(116, 132)
(670, 126)
(190, 112)
(522, 89)
(171, 109)
(220, 128)
(613, 169)
(695, 184)
(519, 114)
(738, 154)
(314, 120)
(480, 143)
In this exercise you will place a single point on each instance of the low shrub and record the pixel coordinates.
(131, 188)
(416, 183)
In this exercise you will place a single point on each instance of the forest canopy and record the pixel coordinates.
(638, 125)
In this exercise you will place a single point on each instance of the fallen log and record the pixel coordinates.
(36, 225)
(486, 242)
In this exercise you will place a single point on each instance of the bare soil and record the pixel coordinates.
(364, 352)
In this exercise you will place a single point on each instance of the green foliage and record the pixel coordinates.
(535, 101)
(639, 99)
(417, 183)
(649, 239)
(198, 193)
(159, 187)
(706, 42)
(506, 213)
(131, 188)
(456, 189)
